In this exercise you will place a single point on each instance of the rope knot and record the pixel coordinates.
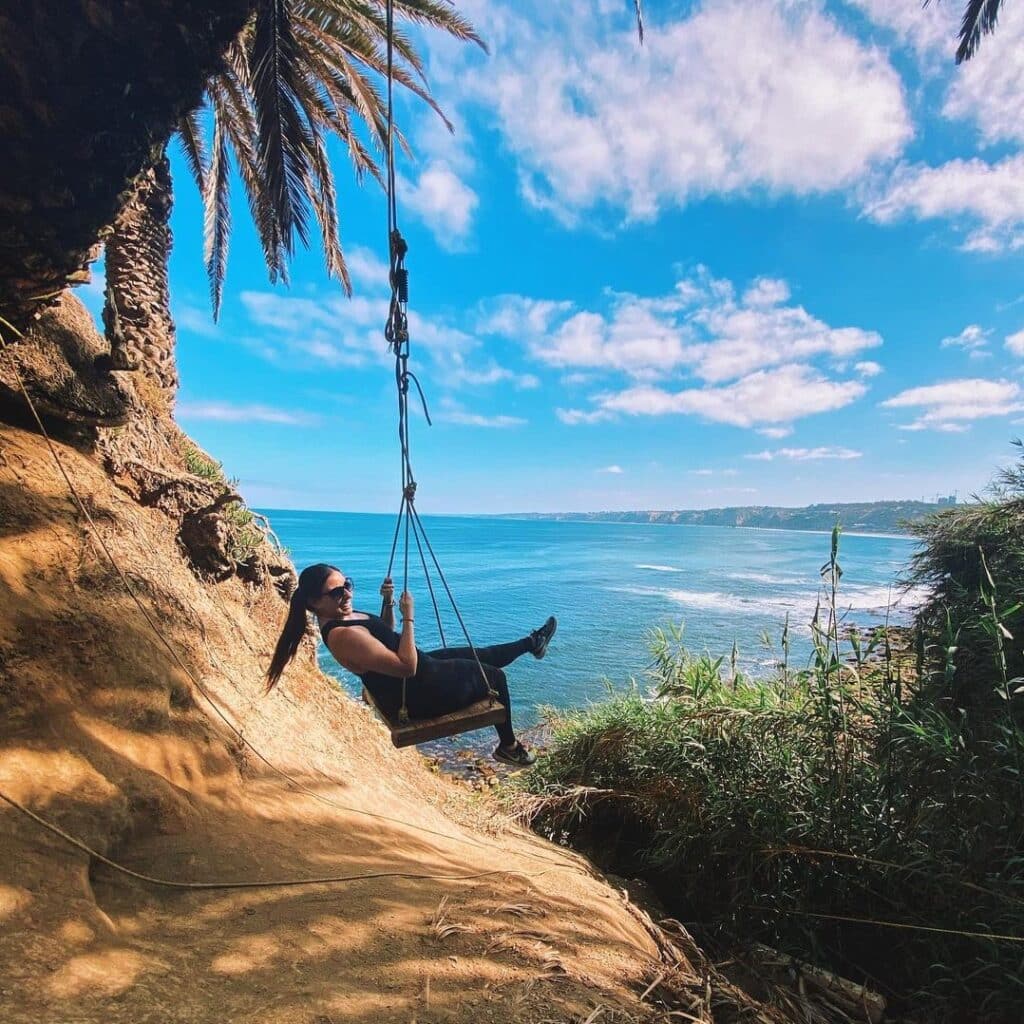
(410, 491)
(399, 246)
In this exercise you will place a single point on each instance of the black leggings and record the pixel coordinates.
(449, 679)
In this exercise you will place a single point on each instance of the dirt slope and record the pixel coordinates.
(105, 734)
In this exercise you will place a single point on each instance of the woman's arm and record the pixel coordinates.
(407, 643)
(359, 651)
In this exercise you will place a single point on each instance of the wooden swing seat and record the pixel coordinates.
(420, 730)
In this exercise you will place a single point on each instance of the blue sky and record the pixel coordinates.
(773, 256)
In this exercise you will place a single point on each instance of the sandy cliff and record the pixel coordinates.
(105, 732)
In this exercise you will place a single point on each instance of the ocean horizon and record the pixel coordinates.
(609, 584)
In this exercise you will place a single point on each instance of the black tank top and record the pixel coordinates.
(386, 690)
(378, 628)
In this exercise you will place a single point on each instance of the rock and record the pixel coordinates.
(64, 364)
(206, 538)
(253, 569)
(283, 576)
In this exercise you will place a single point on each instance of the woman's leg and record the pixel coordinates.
(452, 684)
(499, 682)
(498, 655)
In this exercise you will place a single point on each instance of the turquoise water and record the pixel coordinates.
(608, 583)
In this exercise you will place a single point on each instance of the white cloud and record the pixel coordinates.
(987, 90)
(806, 454)
(1015, 343)
(195, 320)
(366, 267)
(516, 316)
(338, 331)
(775, 433)
(951, 405)
(272, 309)
(766, 291)
(868, 368)
(613, 470)
(767, 396)
(472, 419)
(632, 340)
(492, 374)
(226, 412)
(574, 380)
(444, 202)
(760, 332)
(453, 412)
(700, 325)
(971, 339)
(705, 107)
(990, 196)
(930, 30)
(572, 417)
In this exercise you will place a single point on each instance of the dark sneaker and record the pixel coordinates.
(517, 755)
(542, 637)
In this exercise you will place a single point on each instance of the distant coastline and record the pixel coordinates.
(872, 517)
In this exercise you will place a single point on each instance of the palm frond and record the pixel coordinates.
(362, 160)
(325, 205)
(232, 108)
(980, 18)
(284, 138)
(190, 134)
(299, 71)
(365, 97)
(217, 219)
(327, 106)
(440, 14)
(363, 29)
(350, 51)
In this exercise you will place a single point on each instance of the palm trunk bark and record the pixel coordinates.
(137, 314)
(90, 91)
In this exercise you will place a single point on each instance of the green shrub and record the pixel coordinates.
(836, 811)
(956, 544)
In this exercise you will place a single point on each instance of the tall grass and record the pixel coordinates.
(850, 812)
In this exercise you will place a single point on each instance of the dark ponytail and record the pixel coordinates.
(311, 582)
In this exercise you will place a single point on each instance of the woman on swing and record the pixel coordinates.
(438, 682)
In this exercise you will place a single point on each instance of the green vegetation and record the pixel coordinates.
(969, 558)
(198, 463)
(860, 812)
(247, 531)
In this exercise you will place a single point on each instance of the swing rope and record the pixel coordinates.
(396, 331)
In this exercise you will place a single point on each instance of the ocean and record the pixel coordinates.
(608, 584)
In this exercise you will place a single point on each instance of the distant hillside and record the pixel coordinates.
(855, 517)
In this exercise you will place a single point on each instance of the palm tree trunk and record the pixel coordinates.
(90, 91)
(137, 314)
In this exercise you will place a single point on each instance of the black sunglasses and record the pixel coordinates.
(337, 593)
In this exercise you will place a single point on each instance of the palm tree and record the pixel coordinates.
(88, 88)
(300, 71)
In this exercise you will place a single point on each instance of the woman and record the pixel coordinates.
(437, 683)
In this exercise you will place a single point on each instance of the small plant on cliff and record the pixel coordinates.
(198, 463)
